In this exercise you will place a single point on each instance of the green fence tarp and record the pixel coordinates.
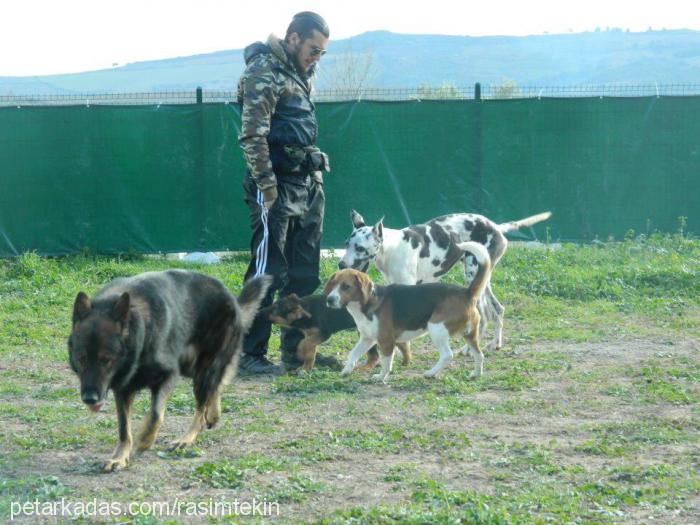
(168, 178)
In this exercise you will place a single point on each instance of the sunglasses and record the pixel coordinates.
(317, 52)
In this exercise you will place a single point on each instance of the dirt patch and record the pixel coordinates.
(332, 450)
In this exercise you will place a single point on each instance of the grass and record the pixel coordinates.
(674, 385)
(619, 439)
(44, 489)
(221, 474)
(589, 414)
(295, 489)
(318, 382)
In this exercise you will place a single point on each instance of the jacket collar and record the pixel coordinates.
(279, 49)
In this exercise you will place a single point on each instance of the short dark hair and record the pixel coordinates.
(304, 24)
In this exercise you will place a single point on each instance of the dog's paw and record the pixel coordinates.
(143, 445)
(176, 445)
(212, 414)
(379, 378)
(430, 374)
(345, 371)
(146, 439)
(179, 445)
(212, 419)
(475, 375)
(493, 346)
(113, 465)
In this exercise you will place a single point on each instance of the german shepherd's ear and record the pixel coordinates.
(81, 307)
(378, 229)
(364, 284)
(357, 220)
(330, 284)
(120, 311)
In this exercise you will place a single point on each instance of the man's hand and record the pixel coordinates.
(269, 196)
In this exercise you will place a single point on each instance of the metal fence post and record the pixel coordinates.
(200, 182)
(477, 164)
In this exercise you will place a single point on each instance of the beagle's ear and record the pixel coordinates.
(330, 284)
(378, 229)
(357, 220)
(364, 284)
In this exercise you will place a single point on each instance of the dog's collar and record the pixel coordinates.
(375, 299)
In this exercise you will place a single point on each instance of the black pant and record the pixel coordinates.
(286, 243)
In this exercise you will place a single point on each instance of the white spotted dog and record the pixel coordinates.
(387, 315)
(422, 253)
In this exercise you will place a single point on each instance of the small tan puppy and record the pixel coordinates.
(386, 315)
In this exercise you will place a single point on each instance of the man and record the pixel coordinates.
(283, 183)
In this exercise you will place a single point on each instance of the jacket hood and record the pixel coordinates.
(274, 46)
(253, 50)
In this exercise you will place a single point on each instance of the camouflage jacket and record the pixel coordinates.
(276, 111)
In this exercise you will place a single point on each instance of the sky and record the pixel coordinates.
(42, 37)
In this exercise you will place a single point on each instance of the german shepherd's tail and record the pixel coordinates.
(483, 259)
(522, 223)
(251, 296)
(215, 371)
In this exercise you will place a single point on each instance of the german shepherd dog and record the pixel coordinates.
(148, 330)
(317, 322)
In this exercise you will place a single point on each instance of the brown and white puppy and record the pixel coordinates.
(318, 322)
(386, 315)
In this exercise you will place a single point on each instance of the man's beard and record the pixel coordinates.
(306, 73)
(293, 55)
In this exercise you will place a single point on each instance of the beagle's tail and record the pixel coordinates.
(522, 223)
(484, 261)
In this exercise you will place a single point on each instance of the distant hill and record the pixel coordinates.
(403, 61)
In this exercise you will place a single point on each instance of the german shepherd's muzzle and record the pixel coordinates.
(148, 330)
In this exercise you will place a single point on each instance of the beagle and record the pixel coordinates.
(397, 313)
